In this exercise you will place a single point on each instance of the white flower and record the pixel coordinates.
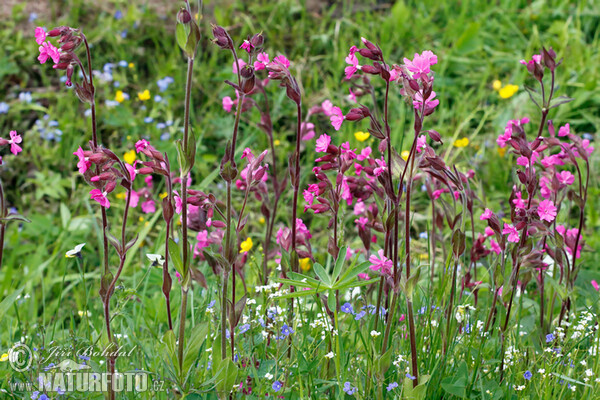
(268, 376)
(589, 372)
(75, 252)
(541, 371)
(329, 355)
(374, 333)
(157, 259)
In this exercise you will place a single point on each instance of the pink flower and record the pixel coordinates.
(511, 231)
(247, 153)
(149, 183)
(178, 203)
(487, 214)
(141, 145)
(546, 210)
(420, 63)
(437, 193)
(246, 45)
(323, 143)
(352, 96)
(336, 118)
(536, 58)
(359, 208)
(421, 143)
(149, 206)
(595, 285)
(131, 169)
(227, 103)
(361, 222)
(40, 35)
(564, 130)
(353, 65)
(429, 102)
(308, 130)
(364, 154)
(47, 50)
(382, 264)
(241, 64)
(327, 107)
(495, 246)
(381, 166)
(84, 163)
(489, 231)
(100, 197)
(283, 61)
(134, 200)
(565, 178)
(364, 276)
(518, 201)
(262, 61)
(14, 141)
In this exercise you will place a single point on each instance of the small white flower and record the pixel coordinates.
(75, 252)
(157, 259)
(329, 355)
(268, 376)
(589, 372)
(541, 371)
(374, 333)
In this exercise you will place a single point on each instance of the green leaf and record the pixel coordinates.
(557, 101)
(176, 257)
(192, 347)
(170, 343)
(470, 40)
(339, 263)
(226, 377)
(14, 217)
(8, 302)
(322, 274)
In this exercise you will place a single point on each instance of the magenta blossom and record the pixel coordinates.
(336, 118)
(546, 210)
(327, 107)
(40, 35)
(353, 66)
(564, 130)
(84, 162)
(487, 214)
(381, 166)
(536, 58)
(241, 64)
(14, 141)
(429, 102)
(565, 178)
(512, 232)
(421, 143)
(595, 285)
(282, 60)
(149, 207)
(100, 197)
(246, 45)
(262, 61)
(323, 143)
(420, 63)
(495, 246)
(382, 264)
(141, 145)
(362, 222)
(47, 50)
(227, 103)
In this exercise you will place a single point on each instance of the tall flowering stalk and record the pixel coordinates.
(5, 217)
(188, 36)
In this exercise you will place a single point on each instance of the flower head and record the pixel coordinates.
(323, 143)
(546, 210)
(84, 163)
(421, 62)
(40, 35)
(276, 386)
(381, 264)
(47, 50)
(512, 232)
(246, 245)
(14, 141)
(100, 197)
(336, 118)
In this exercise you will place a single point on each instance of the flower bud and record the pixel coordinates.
(257, 40)
(222, 38)
(248, 79)
(183, 16)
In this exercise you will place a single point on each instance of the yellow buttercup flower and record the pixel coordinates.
(129, 157)
(464, 142)
(3, 357)
(120, 96)
(246, 245)
(163, 195)
(276, 143)
(121, 195)
(361, 136)
(145, 95)
(508, 91)
(141, 219)
(305, 264)
(497, 85)
(261, 220)
(501, 151)
(405, 155)
(131, 65)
